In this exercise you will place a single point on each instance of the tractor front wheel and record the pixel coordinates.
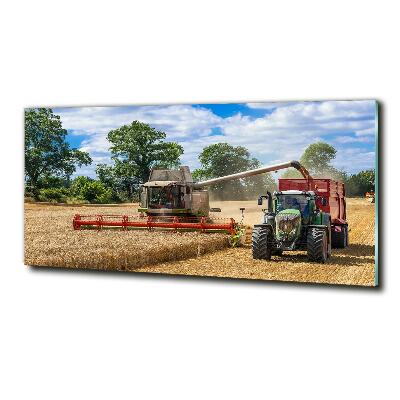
(317, 245)
(261, 246)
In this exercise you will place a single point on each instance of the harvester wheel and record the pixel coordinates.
(317, 245)
(260, 243)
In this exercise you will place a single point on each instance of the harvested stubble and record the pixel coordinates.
(51, 241)
(351, 266)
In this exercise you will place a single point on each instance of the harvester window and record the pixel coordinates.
(165, 197)
(157, 197)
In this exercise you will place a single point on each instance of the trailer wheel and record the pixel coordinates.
(260, 245)
(329, 251)
(340, 239)
(317, 245)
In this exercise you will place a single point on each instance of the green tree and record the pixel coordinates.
(361, 183)
(317, 158)
(106, 175)
(51, 182)
(137, 148)
(46, 151)
(121, 186)
(58, 194)
(90, 190)
(223, 159)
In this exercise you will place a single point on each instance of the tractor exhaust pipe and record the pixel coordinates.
(256, 171)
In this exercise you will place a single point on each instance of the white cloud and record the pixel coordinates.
(342, 110)
(354, 159)
(282, 134)
(178, 120)
(368, 131)
(290, 129)
(352, 139)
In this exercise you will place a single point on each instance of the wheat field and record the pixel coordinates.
(351, 266)
(51, 241)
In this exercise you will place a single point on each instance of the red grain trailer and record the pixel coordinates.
(335, 202)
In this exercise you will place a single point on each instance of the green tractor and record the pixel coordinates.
(293, 221)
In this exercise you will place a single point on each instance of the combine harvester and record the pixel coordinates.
(172, 200)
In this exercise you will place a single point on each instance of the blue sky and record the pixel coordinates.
(272, 132)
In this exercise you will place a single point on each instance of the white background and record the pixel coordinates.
(69, 335)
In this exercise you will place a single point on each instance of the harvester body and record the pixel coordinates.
(173, 192)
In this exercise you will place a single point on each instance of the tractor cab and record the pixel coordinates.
(304, 202)
(301, 201)
(292, 209)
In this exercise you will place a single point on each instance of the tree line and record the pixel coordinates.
(135, 149)
(318, 157)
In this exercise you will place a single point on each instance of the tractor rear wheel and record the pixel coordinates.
(317, 245)
(329, 233)
(261, 247)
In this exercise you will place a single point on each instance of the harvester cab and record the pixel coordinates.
(163, 197)
(172, 193)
